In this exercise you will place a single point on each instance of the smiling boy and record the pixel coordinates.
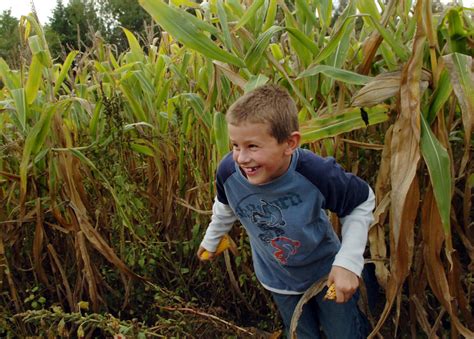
(280, 194)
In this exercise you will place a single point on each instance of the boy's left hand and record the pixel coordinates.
(345, 281)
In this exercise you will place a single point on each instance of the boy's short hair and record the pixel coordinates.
(270, 104)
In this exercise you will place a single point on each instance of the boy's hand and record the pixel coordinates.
(345, 281)
(210, 256)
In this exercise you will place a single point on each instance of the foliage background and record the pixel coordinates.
(108, 152)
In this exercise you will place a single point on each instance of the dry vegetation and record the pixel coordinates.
(107, 164)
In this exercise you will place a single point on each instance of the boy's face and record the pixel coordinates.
(259, 155)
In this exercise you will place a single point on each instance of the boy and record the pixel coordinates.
(279, 192)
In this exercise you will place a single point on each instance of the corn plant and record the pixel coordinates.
(107, 161)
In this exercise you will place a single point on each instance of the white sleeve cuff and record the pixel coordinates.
(355, 228)
(222, 219)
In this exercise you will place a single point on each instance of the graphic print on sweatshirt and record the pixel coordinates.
(268, 217)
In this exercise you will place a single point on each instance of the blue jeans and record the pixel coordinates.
(338, 321)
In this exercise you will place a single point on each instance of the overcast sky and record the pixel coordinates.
(45, 7)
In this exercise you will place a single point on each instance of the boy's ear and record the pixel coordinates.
(293, 142)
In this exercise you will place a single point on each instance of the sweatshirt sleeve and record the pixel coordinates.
(222, 219)
(355, 228)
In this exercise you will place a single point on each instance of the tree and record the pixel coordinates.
(71, 26)
(124, 13)
(9, 37)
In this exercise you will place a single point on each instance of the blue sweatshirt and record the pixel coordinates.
(293, 243)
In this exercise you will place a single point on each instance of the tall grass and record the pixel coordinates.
(107, 163)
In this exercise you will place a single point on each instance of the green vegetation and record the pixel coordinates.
(107, 163)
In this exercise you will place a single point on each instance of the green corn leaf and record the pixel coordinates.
(236, 7)
(298, 39)
(137, 107)
(145, 83)
(34, 80)
(334, 41)
(258, 48)
(136, 52)
(64, 70)
(221, 14)
(439, 165)
(271, 15)
(303, 6)
(255, 81)
(197, 104)
(181, 25)
(249, 14)
(325, 12)
(396, 45)
(459, 67)
(43, 127)
(325, 127)
(221, 135)
(369, 7)
(142, 149)
(33, 143)
(93, 124)
(336, 74)
(162, 93)
(37, 49)
(303, 40)
(440, 96)
(11, 82)
(19, 98)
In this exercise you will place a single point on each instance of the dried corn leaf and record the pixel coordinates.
(382, 87)
(434, 237)
(405, 155)
(462, 79)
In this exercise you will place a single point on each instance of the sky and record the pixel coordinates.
(44, 8)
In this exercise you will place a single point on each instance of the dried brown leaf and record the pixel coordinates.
(434, 237)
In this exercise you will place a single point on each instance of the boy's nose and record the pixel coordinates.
(242, 157)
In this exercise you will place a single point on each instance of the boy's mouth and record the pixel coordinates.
(250, 170)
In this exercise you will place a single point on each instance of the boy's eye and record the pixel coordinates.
(253, 146)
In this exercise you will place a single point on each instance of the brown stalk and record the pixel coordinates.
(38, 244)
(69, 297)
(88, 272)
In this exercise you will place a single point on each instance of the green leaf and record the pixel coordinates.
(34, 80)
(6, 75)
(182, 26)
(37, 49)
(440, 96)
(142, 149)
(221, 14)
(33, 143)
(334, 41)
(349, 120)
(64, 70)
(336, 74)
(255, 81)
(136, 52)
(303, 40)
(19, 98)
(249, 13)
(258, 48)
(396, 45)
(220, 134)
(439, 165)
(271, 15)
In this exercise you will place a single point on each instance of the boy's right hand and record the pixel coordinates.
(205, 255)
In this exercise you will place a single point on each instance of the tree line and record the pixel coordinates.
(77, 24)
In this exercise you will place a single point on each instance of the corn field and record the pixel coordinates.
(107, 165)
